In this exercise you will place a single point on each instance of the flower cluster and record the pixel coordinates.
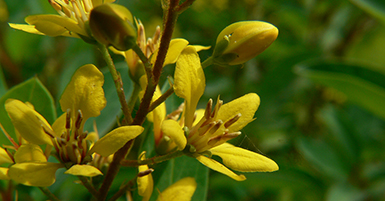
(196, 133)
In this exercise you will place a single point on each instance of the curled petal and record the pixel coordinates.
(4, 157)
(172, 129)
(246, 105)
(84, 93)
(84, 170)
(115, 140)
(54, 25)
(189, 81)
(215, 165)
(34, 174)
(199, 48)
(28, 122)
(29, 153)
(26, 27)
(59, 126)
(145, 183)
(176, 47)
(243, 160)
(181, 190)
(4, 173)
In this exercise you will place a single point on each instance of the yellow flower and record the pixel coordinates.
(242, 41)
(83, 98)
(181, 190)
(112, 24)
(71, 21)
(207, 131)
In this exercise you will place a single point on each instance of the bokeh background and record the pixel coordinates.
(321, 83)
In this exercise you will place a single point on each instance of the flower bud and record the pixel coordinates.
(112, 24)
(245, 40)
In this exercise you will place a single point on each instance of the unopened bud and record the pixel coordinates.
(112, 24)
(245, 40)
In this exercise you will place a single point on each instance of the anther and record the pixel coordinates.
(79, 119)
(202, 130)
(233, 120)
(209, 107)
(68, 119)
(55, 5)
(217, 125)
(212, 141)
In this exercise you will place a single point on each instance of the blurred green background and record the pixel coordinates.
(321, 83)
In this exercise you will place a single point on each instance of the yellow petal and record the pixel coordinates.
(29, 153)
(28, 122)
(199, 48)
(145, 183)
(158, 115)
(243, 160)
(115, 140)
(189, 81)
(59, 126)
(34, 174)
(100, 2)
(4, 173)
(199, 115)
(84, 93)
(172, 129)
(215, 165)
(54, 25)
(174, 50)
(4, 157)
(84, 170)
(181, 190)
(25, 27)
(246, 105)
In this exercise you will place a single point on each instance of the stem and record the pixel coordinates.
(133, 97)
(86, 183)
(185, 5)
(207, 62)
(113, 170)
(153, 79)
(170, 19)
(161, 99)
(118, 82)
(48, 193)
(122, 190)
(151, 161)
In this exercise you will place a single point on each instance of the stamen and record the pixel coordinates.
(202, 130)
(212, 141)
(156, 36)
(214, 129)
(68, 119)
(209, 108)
(55, 5)
(87, 5)
(217, 106)
(79, 119)
(233, 120)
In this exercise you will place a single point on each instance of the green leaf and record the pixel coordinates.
(108, 116)
(3, 85)
(34, 92)
(345, 192)
(363, 86)
(323, 157)
(373, 7)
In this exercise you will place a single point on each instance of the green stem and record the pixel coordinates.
(86, 183)
(153, 160)
(118, 82)
(185, 5)
(209, 61)
(134, 97)
(123, 189)
(48, 193)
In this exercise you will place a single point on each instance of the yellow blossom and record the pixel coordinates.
(71, 21)
(218, 124)
(83, 98)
